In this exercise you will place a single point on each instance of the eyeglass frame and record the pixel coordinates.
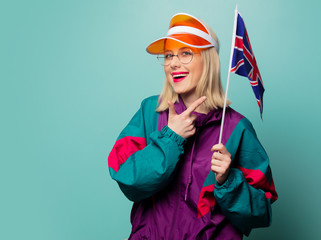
(162, 62)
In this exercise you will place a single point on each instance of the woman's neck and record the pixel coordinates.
(188, 99)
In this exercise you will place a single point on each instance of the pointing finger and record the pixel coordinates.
(194, 105)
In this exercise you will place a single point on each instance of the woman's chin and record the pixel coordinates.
(184, 91)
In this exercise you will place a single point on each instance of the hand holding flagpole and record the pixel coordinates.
(221, 158)
(242, 62)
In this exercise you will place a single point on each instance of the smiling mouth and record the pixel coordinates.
(178, 77)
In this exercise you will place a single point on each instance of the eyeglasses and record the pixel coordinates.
(184, 55)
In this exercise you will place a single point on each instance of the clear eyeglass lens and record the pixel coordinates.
(185, 55)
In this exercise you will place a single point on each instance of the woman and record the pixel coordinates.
(183, 184)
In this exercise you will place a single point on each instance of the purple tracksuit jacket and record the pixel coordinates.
(169, 179)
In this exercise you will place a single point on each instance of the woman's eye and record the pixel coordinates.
(167, 56)
(186, 53)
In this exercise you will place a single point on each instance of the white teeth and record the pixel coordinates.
(180, 75)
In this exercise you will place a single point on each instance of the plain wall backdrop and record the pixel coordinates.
(73, 73)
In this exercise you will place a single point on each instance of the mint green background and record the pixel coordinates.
(74, 72)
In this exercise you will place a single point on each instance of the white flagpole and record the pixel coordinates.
(229, 73)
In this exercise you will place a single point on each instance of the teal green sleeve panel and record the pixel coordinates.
(246, 196)
(144, 168)
(149, 170)
(245, 206)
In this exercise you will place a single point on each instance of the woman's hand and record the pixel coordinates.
(221, 162)
(183, 124)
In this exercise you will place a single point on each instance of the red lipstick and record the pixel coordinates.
(179, 76)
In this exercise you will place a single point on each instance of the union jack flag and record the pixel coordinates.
(244, 63)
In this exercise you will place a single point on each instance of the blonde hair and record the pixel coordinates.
(209, 84)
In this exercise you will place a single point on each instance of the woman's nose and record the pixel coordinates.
(175, 62)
